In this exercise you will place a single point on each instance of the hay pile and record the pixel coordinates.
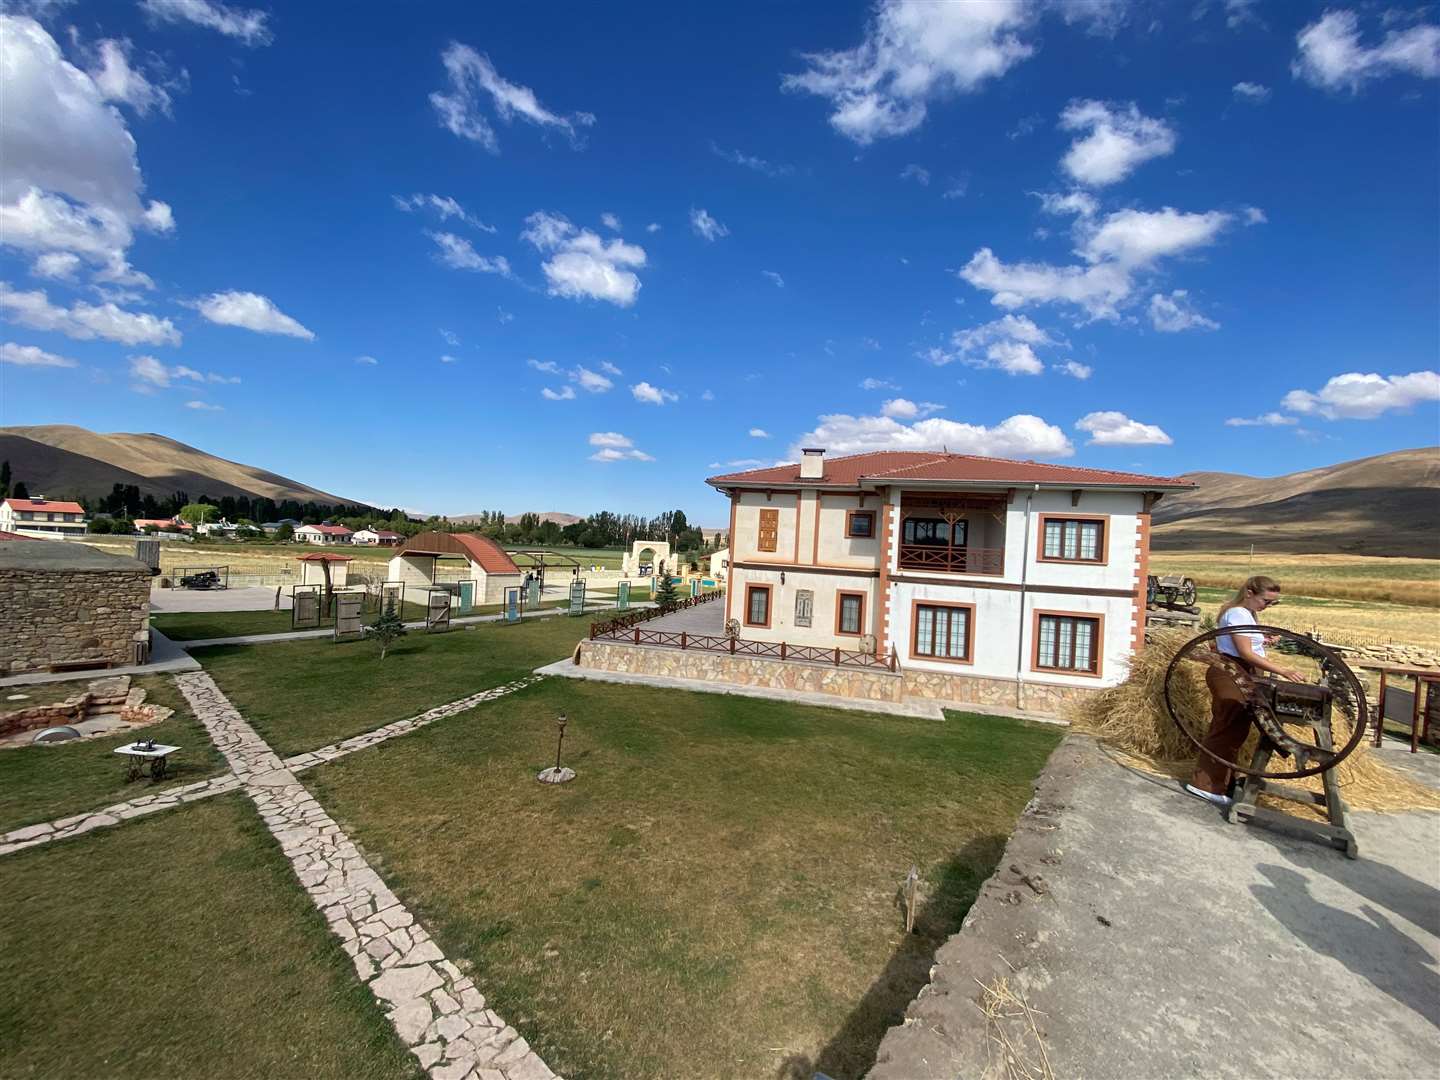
(1132, 719)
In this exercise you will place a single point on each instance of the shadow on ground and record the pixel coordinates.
(851, 1051)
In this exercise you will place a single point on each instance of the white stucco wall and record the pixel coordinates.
(416, 571)
(746, 542)
(821, 631)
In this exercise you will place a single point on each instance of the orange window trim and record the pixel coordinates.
(769, 610)
(1102, 519)
(840, 595)
(915, 654)
(1098, 618)
(851, 515)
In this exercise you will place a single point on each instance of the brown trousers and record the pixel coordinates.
(1229, 727)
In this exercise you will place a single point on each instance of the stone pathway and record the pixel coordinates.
(437, 1011)
(75, 825)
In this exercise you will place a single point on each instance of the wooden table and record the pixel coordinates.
(1425, 677)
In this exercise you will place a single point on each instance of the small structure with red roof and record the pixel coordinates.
(486, 564)
(314, 565)
(1016, 583)
(42, 519)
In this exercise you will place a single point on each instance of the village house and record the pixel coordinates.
(42, 518)
(377, 538)
(987, 580)
(323, 534)
(172, 524)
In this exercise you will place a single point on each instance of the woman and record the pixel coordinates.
(1229, 712)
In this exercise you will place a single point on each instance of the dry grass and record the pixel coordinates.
(1132, 718)
(1022, 1054)
(1339, 577)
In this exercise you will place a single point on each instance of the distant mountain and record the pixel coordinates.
(1383, 505)
(59, 460)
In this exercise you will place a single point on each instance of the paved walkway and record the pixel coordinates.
(1150, 938)
(437, 1011)
(706, 618)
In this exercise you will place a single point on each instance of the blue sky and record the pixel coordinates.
(454, 258)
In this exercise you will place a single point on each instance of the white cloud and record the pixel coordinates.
(86, 321)
(749, 161)
(470, 73)
(1254, 216)
(502, 316)
(1174, 313)
(1075, 369)
(610, 221)
(918, 173)
(706, 226)
(1080, 203)
(1330, 55)
(565, 393)
(615, 447)
(1253, 93)
(70, 180)
(367, 360)
(652, 395)
(1008, 344)
(31, 356)
(1139, 237)
(1269, 419)
(609, 368)
(449, 336)
(1117, 141)
(448, 359)
(204, 406)
(905, 409)
(250, 311)
(877, 384)
(1356, 396)
(913, 53)
(151, 374)
(246, 26)
(1116, 429)
(57, 265)
(581, 264)
(959, 185)
(547, 366)
(653, 227)
(759, 433)
(741, 463)
(118, 81)
(708, 395)
(1018, 436)
(1096, 289)
(443, 205)
(774, 278)
(459, 254)
(590, 381)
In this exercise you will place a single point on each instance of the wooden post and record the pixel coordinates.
(782, 650)
(837, 655)
(1415, 719)
(1380, 711)
(682, 639)
(637, 635)
(732, 646)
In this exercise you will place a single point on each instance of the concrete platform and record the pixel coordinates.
(243, 599)
(1150, 938)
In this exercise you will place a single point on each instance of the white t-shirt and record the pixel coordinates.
(1239, 616)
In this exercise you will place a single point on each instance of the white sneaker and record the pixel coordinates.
(1209, 796)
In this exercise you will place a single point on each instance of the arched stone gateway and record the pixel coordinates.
(647, 553)
(491, 568)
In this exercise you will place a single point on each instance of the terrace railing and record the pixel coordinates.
(952, 560)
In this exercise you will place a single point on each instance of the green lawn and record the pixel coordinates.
(716, 894)
(301, 695)
(179, 946)
(41, 783)
(203, 625)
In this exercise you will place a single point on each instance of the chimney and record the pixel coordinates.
(812, 463)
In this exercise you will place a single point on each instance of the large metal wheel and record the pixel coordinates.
(1329, 705)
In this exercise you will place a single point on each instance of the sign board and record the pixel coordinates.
(622, 596)
(304, 607)
(577, 597)
(148, 552)
(467, 597)
(532, 597)
(694, 586)
(348, 609)
(511, 612)
(437, 611)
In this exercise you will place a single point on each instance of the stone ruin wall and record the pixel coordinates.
(62, 616)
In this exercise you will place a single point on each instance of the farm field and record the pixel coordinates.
(1414, 582)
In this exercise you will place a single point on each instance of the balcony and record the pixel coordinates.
(947, 559)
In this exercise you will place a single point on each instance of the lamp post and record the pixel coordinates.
(558, 774)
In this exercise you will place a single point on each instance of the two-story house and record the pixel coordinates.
(979, 574)
(43, 518)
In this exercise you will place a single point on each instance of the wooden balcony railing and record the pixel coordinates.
(952, 560)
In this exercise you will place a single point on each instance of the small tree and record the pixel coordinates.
(285, 533)
(100, 525)
(665, 588)
(387, 628)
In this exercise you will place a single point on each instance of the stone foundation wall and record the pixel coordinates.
(61, 616)
(858, 683)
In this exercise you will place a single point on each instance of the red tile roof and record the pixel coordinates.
(328, 530)
(490, 556)
(898, 466)
(46, 504)
(13, 536)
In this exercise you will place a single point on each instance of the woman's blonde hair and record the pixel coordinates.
(1254, 586)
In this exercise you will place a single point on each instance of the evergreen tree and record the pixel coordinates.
(21, 491)
(665, 588)
(387, 628)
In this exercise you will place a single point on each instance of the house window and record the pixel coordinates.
(1068, 643)
(849, 613)
(757, 605)
(860, 524)
(804, 607)
(1073, 540)
(769, 529)
(942, 632)
(934, 531)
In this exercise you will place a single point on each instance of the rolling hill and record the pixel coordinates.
(1383, 505)
(60, 460)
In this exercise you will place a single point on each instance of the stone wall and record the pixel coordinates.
(52, 616)
(857, 683)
